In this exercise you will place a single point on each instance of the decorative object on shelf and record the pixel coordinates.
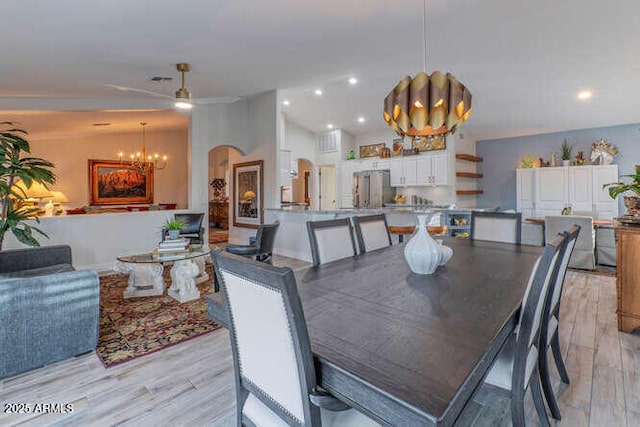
(385, 153)
(113, 183)
(632, 199)
(397, 147)
(422, 252)
(580, 159)
(565, 150)
(543, 163)
(553, 160)
(218, 185)
(433, 104)
(15, 207)
(173, 227)
(429, 142)
(140, 159)
(527, 161)
(352, 155)
(603, 152)
(372, 150)
(410, 152)
(247, 193)
(400, 198)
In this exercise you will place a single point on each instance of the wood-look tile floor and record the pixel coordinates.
(191, 384)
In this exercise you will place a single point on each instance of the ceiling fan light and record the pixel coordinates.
(183, 105)
(183, 93)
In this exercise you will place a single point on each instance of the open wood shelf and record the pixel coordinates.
(468, 192)
(469, 175)
(469, 157)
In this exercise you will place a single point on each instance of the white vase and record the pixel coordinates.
(566, 163)
(422, 252)
(446, 253)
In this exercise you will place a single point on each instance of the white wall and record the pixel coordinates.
(70, 157)
(300, 141)
(466, 144)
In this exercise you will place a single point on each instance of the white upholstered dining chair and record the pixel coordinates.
(496, 226)
(549, 334)
(273, 363)
(584, 251)
(330, 240)
(515, 369)
(372, 232)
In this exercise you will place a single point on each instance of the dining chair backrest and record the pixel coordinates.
(265, 239)
(496, 226)
(273, 362)
(572, 236)
(528, 335)
(330, 240)
(583, 255)
(372, 232)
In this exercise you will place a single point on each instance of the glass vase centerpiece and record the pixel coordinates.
(422, 252)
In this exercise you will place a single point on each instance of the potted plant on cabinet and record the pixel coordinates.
(632, 190)
(565, 149)
(15, 167)
(173, 226)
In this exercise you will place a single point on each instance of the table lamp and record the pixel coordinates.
(56, 200)
(33, 193)
(249, 196)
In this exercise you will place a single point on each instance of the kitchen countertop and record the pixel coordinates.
(387, 209)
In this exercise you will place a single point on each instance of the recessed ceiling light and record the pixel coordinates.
(330, 126)
(361, 120)
(353, 81)
(584, 95)
(318, 92)
(286, 102)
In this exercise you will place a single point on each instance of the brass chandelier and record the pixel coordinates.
(141, 159)
(427, 105)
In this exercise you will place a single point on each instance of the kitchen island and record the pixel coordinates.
(292, 239)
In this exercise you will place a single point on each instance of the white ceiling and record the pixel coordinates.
(524, 62)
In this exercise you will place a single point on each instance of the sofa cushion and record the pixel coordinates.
(40, 271)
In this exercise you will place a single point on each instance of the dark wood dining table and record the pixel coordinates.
(410, 349)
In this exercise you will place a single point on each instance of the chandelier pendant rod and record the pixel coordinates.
(424, 36)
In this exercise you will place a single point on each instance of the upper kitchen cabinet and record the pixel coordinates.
(423, 170)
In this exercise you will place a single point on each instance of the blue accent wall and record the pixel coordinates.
(502, 157)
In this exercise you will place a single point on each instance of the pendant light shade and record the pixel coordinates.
(426, 104)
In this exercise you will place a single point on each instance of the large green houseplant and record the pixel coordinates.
(632, 189)
(15, 165)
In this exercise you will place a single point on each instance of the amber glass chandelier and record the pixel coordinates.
(427, 105)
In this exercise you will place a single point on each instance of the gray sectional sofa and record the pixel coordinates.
(48, 311)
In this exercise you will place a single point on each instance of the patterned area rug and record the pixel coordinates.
(138, 326)
(218, 236)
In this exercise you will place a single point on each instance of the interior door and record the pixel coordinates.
(327, 191)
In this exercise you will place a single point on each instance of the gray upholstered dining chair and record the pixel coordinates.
(496, 226)
(549, 334)
(330, 240)
(372, 232)
(515, 369)
(273, 363)
(584, 251)
(262, 249)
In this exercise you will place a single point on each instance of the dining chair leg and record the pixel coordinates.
(557, 356)
(546, 387)
(538, 400)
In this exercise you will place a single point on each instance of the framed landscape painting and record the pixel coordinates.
(115, 183)
(247, 193)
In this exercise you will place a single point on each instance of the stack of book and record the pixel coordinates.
(172, 249)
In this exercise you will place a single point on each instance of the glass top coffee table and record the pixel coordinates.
(145, 273)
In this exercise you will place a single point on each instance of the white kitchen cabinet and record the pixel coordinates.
(604, 206)
(551, 190)
(396, 171)
(547, 191)
(580, 181)
(426, 169)
(410, 170)
(440, 169)
(526, 184)
(371, 164)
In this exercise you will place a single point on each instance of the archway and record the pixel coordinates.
(219, 193)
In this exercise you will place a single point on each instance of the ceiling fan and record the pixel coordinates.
(182, 97)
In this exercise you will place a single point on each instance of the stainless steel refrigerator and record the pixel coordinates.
(371, 189)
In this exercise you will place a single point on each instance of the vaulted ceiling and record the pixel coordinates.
(523, 61)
